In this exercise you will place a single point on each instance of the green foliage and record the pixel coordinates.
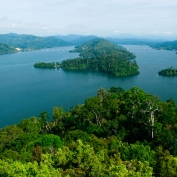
(51, 140)
(9, 133)
(138, 152)
(51, 65)
(58, 113)
(116, 133)
(102, 55)
(19, 169)
(166, 164)
(168, 72)
(30, 125)
(75, 135)
(22, 141)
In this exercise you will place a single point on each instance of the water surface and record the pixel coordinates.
(26, 91)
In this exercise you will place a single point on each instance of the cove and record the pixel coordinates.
(26, 91)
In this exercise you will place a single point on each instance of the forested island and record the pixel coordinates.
(49, 65)
(127, 133)
(6, 49)
(102, 55)
(168, 72)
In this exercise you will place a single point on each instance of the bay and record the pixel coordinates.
(26, 91)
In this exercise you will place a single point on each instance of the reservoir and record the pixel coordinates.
(26, 91)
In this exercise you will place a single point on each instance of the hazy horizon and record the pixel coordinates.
(114, 18)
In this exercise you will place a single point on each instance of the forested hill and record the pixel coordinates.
(170, 45)
(117, 133)
(30, 42)
(102, 55)
(6, 49)
(83, 39)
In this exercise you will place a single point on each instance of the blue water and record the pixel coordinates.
(26, 91)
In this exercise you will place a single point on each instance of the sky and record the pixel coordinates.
(89, 17)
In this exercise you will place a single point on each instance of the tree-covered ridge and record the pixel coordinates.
(102, 55)
(168, 72)
(6, 49)
(170, 45)
(49, 65)
(31, 42)
(116, 133)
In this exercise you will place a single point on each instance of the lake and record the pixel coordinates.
(26, 91)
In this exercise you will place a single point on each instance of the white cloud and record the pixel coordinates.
(168, 32)
(90, 16)
(116, 31)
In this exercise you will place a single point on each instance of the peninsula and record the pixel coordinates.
(105, 56)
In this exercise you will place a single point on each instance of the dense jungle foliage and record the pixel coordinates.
(117, 133)
(6, 49)
(102, 55)
(168, 72)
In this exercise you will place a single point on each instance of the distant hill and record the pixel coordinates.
(132, 41)
(80, 39)
(76, 39)
(31, 42)
(83, 40)
(69, 38)
(169, 45)
(6, 49)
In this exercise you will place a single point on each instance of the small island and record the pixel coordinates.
(168, 72)
(49, 65)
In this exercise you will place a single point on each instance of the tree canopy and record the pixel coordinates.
(168, 72)
(49, 65)
(115, 133)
